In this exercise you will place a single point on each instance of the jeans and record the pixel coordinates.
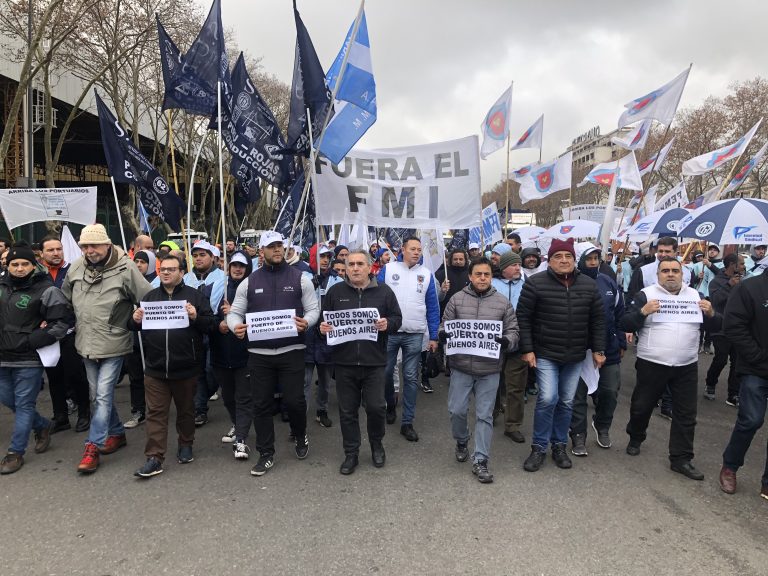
(103, 376)
(724, 351)
(411, 346)
(752, 404)
(607, 396)
(353, 385)
(552, 416)
(323, 384)
(462, 386)
(19, 388)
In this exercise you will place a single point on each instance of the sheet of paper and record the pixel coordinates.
(473, 337)
(589, 373)
(678, 309)
(49, 355)
(348, 325)
(271, 324)
(164, 315)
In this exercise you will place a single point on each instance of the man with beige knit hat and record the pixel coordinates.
(103, 286)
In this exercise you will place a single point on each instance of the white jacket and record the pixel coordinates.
(668, 343)
(417, 296)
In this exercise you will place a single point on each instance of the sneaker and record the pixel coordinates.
(480, 469)
(578, 445)
(201, 420)
(322, 419)
(184, 454)
(426, 387)
(733, 401)
(241, 450)
(214, 397)
(707, 348)
(462, 452)
(302, 447)
(709, 393)
(135, 420)
(603, 436)
(60, 423)
(229, 437)
(560, 456)
(90, 460)
(633, 449)
(11, 463)
(114, 443)
(263, 465)
(666, 413)
(152, 467)
(534, 460)
(43, 438)
(764, 491)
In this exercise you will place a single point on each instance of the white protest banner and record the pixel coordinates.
(357, 324)
(677, 197)
(164, 315)
(26, 205)
(678, 309)
(427, 186)
(491, 226)
(271, 324)
(591, 212)
(473, 337)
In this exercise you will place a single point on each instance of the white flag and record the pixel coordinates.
(653, 164)
(531, 138)
(661, 104)
(677, 197)
(432, 249)
(711, 160)
(626, 168)
(26, 205)
(544, 179)
(745, 170)
(495, 127)
(636, 137)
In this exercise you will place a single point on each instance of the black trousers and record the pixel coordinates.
(652, 380)
(68, 378)
(228, 379)
(724, 351)
(136, 378)
(353, 385)
(266, 372)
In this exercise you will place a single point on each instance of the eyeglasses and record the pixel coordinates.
(168, 270)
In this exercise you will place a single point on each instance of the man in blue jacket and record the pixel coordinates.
(615, 345)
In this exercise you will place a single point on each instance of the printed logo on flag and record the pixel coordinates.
(523, 171)
(638, 136)
(497, 122)
(744, 171)
(643, 227)
(717, 159)
(159, 185)
(643, 103)
(647, 163)
(544, 178)
(524, 137)
(604, 177)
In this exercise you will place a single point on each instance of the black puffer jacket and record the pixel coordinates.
(560, 323)
(746, 325)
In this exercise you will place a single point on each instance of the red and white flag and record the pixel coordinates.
(636, 137)
(744, 171)
(661, 104)
(648, 164)
(626, 168)
(531, 138)
(495, 127)
(712, 160)
(544, 179)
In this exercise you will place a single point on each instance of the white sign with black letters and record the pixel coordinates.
(678, 309)
(473, 337)
(165, 315)
(348, 325)
(271, 324)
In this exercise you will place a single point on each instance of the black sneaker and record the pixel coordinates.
(462, 452)
(409, 433)
(480, 469)
(201, 420)
(323, 420)
(732, 401)
(302, 447)
(603, 437)
(534, 460)
(633, 448)
(184, 455)
(152, 467)
(60, 423)
(578, 445)
(426, 386)
(560, 456)
(391, 415)
(709, 393)
(666, 413)
(263, 465)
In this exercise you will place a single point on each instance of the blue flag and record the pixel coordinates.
(248, 188)
(128, 165)
(190, 79)
(355, 105)
(309, 90)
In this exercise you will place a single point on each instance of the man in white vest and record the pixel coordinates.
(667, 317)
(645, 276)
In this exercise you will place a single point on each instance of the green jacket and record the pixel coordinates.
(103, 300)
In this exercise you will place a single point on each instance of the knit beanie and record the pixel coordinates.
(94, 234)
(508, 259)
(21, 253)
(561, 246)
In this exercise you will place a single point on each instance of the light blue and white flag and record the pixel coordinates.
(355, 104)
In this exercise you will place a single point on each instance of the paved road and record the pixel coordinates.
(423, 513)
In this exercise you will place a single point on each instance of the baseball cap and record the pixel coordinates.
(239, 258)
(474, 246)
(324, 249)
(203, 245)
(270, 237)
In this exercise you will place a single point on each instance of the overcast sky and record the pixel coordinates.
(440, 64)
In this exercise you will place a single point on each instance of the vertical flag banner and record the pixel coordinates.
(712, 160)
(545, 179)
(355, 105)
(636, 138)
(432, 249)
(495, 127)
(626, 168)
(661, 104)
(677, 197)
(491, 227)
(248, 189)
(128, 165)
(532, 137)
(649, 164)
(742, 174)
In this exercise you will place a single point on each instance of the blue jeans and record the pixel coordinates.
(557, 386)
(19, 388)
(411, 345)
(103, 376)
(461, 388)
(753, 396)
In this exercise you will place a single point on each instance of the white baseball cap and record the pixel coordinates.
(270, 237)
(239, 258)
(207, 246)
(474, 246)
(324, 249)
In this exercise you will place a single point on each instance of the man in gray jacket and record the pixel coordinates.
(477, 370)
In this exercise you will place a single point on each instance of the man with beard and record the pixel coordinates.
(456, 278)
(531, 258)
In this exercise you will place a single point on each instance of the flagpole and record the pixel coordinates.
(190, 199)
(119, 217)
(221, 173)
(184, 229)
(311, 178)
(506, 210)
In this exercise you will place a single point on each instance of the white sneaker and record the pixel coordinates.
(215, 396)
(136, 419)
(229, 437)
(241, 450)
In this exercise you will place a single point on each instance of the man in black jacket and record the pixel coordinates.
(561, 316)
(720, 290)
(173, 361)
(746, 326)
(360, 363)
(454, 279)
